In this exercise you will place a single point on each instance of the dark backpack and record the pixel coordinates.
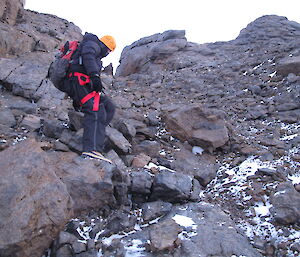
(58, 69)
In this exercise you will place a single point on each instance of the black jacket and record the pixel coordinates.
(91, 51)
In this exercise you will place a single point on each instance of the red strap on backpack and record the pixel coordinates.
(68, 49)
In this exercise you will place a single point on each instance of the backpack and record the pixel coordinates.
(58, 69)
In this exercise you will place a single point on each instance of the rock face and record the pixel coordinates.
(135, 56)
(202, 137)
(35, 204)
(31, 31)
(9, 10)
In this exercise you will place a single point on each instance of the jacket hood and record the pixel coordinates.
(90, 36)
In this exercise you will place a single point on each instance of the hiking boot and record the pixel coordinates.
(100, 156)
(95, 155)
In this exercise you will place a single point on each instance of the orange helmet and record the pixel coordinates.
(109, 41)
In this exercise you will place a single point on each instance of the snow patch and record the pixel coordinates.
(186, 222)
(135, 248)
(107, 240)
(287, 138)
(183, 220)
(295, 178)
(262, 210)
(197, 150)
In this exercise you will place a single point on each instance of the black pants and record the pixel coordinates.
(94, 122)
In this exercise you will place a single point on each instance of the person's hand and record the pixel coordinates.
(96, 82)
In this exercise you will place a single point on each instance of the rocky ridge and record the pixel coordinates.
(204, 144)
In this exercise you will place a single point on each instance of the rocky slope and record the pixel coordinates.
(204, 144)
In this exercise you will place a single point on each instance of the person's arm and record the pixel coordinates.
(89, 52)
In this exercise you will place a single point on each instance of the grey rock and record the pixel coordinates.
(22, 81)
(127, 128)
(210, 222)
(7, 118)
(202, 167)
(286, 204)
(78, 247)
(59, 146)
(140, 160)
(171, 187)
(292, 78)
(141, 182)
(72, 139)
(119, 221)
(89, 182)
(116, 249)
(289, 65)
(31, 122)
(119, 142)
(287, 106)
(64, 251)
(66, 238)
(164, 236)
(148, 147)
(153, 119)
(27, 107)
(256, 112)
(52, 128)
(255, 89)
(67, 244)
(196, 189)
(275, 174)
(153, 210)
(112, 155)
(291, 116)
(36, 32)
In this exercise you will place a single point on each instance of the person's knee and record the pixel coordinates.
(109, 105)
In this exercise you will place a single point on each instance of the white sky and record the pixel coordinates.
(129, 20)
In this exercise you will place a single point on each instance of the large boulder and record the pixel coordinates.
(171, 186)
(34, 203)
(197, 125)
(40, 191)
(89, 182)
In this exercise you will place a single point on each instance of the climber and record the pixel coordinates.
(84, 86)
